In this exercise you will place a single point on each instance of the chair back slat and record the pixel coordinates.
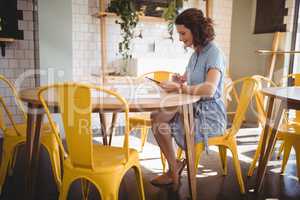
(162, 75)
(249, 87)
(5, 109)
(75, 108)
(2, 110)
(260, 99)
(159, 75)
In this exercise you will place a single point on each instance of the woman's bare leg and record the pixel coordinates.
(162, 133)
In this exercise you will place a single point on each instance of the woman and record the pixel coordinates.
(204, 76)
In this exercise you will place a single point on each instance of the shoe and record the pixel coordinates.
(163, 180)
(166, 179)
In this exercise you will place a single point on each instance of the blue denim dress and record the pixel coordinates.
(209, 113)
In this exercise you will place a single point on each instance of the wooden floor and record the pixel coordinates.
(211, 184)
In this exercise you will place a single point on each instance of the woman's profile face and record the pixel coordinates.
(185, 35)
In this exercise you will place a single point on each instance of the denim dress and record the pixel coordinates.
(209, 113)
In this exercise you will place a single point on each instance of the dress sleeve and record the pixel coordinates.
(215, 60)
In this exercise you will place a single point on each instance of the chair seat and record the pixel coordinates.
(290, 128)
(108, 159)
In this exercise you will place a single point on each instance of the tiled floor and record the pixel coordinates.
(211, 184)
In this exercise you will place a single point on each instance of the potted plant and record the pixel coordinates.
(129, 18)
(170, 14)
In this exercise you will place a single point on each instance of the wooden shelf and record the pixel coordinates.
(142, 18)
(266, 52)
(6, 39)
(3, 42)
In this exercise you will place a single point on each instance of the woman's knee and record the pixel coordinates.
(156, 117)
(159, 117)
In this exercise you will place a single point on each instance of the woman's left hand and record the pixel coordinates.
(170, 86)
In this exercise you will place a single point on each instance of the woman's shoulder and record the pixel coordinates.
(214, 48)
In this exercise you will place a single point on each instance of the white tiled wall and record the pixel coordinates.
(86, 40)
(153, 51)
(222, 13)
(19, 58)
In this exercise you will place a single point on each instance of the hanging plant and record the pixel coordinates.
(170, 14)
(129, 18)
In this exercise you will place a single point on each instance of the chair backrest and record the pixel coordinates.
(4, 108)
(230, 95)
(75, 104)
(248, 89)
(260, 98)
(296, 82)
(159, 75)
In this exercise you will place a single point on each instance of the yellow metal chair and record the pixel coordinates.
(103, 166)
(292, 137)
(227, 140)
(231, 99)
(143, 121)
(15, 135)
(288, 127)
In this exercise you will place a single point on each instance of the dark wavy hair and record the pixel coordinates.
(201, 27)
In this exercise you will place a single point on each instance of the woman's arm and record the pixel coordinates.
(208, 88)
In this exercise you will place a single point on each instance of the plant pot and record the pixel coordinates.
(126, 67)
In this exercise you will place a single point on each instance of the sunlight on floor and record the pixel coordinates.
(247, 139)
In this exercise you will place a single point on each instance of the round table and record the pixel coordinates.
(166, 101)
(289, 98)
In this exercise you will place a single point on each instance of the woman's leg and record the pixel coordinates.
(162, 133)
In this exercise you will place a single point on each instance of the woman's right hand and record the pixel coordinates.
(178, 78)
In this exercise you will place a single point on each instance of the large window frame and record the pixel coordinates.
(294, 64)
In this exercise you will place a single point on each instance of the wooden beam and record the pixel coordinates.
(266, 52)
(275, 46)
(209, 4)
(103, 39)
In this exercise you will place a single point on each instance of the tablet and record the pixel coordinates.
(155, 81)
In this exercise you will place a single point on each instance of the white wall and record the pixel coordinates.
(154, 51)
(243, 59)
(55, 40)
